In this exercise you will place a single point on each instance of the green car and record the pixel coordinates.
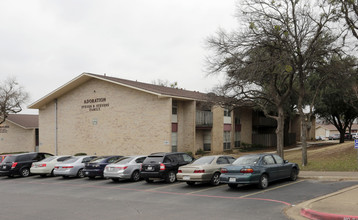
(258, 169)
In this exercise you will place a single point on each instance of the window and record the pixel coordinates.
(187, 158)
(140, 160)
(174, 141)
(231, 159)
(227, 140)
(174, 108)
(237, 139)
(207, 141)
(278, 159)
(268, 160)
(222, 160)
(227, 113)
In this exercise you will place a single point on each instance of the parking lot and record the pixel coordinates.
(57, 198)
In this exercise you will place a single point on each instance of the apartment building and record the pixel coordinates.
(19, 133)
(99, 114)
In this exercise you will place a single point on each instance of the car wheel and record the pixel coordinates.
(171, 177)
(215, 179)
(80, 173)
(115, 180)
(190, 183)
(148, 180)
(232, 185)
(25, 172)
(263, 182)
(135, 176)
(52, 174)
(293, 175)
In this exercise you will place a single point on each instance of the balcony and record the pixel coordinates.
(263, 121)
(204, 119)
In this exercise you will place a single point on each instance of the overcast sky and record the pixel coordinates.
(45, 44)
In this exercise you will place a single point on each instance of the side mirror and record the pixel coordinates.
(285, 161)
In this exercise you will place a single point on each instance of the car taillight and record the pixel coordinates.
(122, 168)
(199, 171)
(179, 171)
(67, 167)
(13, 164)
(224, 170)
(162, 166)
(246, 170)
(57, 167)
(42, 165)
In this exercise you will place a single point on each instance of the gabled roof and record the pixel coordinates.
(24, 121)
(161, 91)
(331, 127)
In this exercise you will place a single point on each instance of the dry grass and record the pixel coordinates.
(339, 157)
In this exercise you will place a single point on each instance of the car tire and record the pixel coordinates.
(115, 180)
(190, 183)
(170, 177)
(215, 179)
(52, 174)
(80, 173)
(135, 176)
(25, 172)
(148, 180)
(263, 181)
(232, 185)
(294, 174)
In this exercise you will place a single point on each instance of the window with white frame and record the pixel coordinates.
(227, 140)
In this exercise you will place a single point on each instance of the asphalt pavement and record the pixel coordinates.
(339, 205)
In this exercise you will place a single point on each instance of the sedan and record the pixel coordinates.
(258, 169)
(46, 166)
(73, 167)
(95, 167)
(125, 168)
(204, 169)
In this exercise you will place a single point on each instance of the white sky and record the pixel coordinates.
(45, 44)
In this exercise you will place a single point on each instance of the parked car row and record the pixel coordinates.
(257, 169)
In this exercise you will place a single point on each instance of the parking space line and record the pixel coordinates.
(216, 187)
(267, 190)
(162, 187)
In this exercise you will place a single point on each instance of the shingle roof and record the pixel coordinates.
(331, 127)
(162, 90)
(25, 121)
(145, 87)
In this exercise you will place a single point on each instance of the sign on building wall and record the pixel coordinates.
(4, 128)
(95, 104)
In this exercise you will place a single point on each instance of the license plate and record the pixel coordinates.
(4, 167)
(186, 177)
(232, 179)
(149, 168)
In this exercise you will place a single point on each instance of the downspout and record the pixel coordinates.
(56, 128)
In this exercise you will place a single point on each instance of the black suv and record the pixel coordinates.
(163, 166)
(20, 164)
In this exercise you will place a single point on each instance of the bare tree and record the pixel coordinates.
(12, 96)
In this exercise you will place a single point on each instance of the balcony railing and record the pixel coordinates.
(204, 119)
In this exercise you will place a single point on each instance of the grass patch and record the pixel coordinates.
(340, 157)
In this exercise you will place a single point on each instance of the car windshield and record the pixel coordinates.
(48, 159)
(247, 160)
(124, 160)
(9, 159)
(98, 160)
(72, 160)
(204, 160)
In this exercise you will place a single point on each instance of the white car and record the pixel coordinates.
(355, 135)
(46, 166)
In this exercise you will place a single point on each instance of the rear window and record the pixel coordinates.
(48, 159)
(247, 160)
(72, 160)
(99, 160)
(60, 159)
(9, 159)
(124, 160)
(153, 159)
(204, 160)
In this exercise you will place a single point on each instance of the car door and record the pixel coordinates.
(270, 167)
(284, 169)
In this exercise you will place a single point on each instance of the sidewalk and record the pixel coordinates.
(339, 205)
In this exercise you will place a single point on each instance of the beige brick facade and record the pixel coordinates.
(14, 138)
(126, 122)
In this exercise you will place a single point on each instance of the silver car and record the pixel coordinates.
(72, 167)
(46, 166)
(124, 168)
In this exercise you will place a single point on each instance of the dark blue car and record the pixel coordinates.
(258, 169)
(96, 167)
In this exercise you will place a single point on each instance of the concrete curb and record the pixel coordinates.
(311, 214)
(303, 210)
